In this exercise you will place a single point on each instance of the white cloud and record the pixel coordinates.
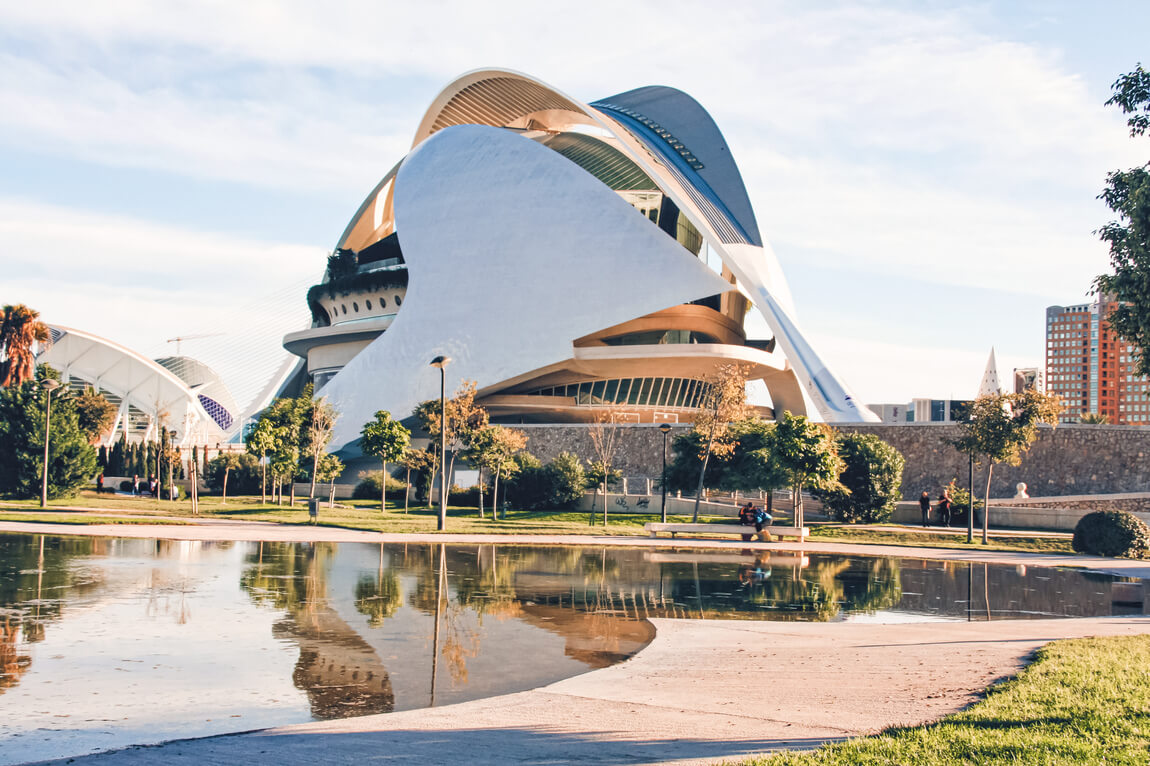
(139, 284)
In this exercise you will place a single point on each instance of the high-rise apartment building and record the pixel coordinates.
(1091, 368)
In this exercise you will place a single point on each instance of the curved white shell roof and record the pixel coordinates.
(514, 251)
(136, 380)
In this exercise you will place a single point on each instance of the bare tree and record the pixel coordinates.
(724, 401)
(604, 433)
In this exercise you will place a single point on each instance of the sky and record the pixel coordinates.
(926, 172)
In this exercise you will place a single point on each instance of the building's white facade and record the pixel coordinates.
(177, 393)
(564, 256)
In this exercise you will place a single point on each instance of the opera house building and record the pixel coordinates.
(566, 257)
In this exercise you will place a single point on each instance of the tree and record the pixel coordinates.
(20, 330)
(599, 474)
(260, 441)
(287, 417)
(1127, 193)
(229, 461)
(464, 420)
(604, 433)
(71, 457)
(318, 423)
(96, 414)
(388, 440)
(493, 447)
(871, 480)
(418, 460)
(329, 469)
(806, 453)
(1002, 427)
(1094, 419)
(724, 401)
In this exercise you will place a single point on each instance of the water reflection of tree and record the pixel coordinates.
(819, 591)
(378, 597)
(35, 575)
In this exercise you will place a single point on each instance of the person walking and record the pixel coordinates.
(944, 508)
(924, 506)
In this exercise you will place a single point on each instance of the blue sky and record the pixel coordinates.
(925, 172)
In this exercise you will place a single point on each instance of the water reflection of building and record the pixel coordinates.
(341, 673)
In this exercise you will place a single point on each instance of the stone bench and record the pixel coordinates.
(655, 527)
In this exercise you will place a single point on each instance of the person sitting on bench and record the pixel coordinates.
(749, 515)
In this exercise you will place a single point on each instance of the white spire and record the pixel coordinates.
(989, 385)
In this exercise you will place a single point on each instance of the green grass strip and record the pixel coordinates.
(1083, 701)
(895, 536)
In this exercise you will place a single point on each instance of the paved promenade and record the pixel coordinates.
(702, 692)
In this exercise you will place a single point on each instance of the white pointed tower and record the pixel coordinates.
(990, 385)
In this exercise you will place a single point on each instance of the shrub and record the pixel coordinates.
(464, 497)
(960, 503)
(567, 480)
(368, 487)
(243, 479)
(1112, 533)
(871, 480)
(557, 485)
(126, 485)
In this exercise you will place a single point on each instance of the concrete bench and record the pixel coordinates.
(655, 527)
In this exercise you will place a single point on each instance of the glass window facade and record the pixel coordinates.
(684, 393)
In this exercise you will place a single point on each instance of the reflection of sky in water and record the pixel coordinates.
(135, 641)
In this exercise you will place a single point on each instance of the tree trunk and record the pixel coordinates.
(314, 466)
(383, 489)
(331, 493)
(702, 474)
(481, 492)
(604, 502)
(227, 469)
(985, 504)
(278, 489)
(263, 480)
(407, 491)
(495, 498)
(291, 492)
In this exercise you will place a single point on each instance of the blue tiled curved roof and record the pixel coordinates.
(675, 126)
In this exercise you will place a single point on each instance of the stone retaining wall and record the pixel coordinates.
(1068, 460)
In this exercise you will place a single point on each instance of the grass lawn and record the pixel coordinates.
(352, 514)
(901, 536)
(66, 517)
(1084, 701)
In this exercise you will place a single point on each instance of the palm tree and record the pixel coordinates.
(20, 328)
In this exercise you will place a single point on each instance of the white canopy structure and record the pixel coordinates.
(149, 395)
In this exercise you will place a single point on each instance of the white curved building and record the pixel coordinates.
(565, 256)
(177, 393)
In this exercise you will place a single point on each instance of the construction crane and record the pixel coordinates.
(179, 339)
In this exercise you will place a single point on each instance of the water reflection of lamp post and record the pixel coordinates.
(49, 385)
(441, 575)
(441, 362)
(666, 429)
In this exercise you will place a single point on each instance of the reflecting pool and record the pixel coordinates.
(107, 642)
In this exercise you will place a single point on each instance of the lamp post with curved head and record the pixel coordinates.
(441, 362)
(666, 429)
(49, 385)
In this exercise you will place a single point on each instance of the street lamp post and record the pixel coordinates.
(666, 429)
(441, 362)
(49, 385)
(970, 510)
